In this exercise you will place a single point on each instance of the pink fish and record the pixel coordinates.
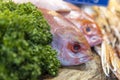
(85, 23)
(70, 43)
(79, 18)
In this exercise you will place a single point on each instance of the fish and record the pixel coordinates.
(71, 45)
(68, 41)
(74, 14)
(86, 25)
(82, 20)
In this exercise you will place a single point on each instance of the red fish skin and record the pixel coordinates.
(65, 35)
(84, 22)
(86, 25)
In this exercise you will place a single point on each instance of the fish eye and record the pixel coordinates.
(76, 47)
(88, 29)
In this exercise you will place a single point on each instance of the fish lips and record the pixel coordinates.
(71, 59)
(95, 40)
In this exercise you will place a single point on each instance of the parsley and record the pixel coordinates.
(25, 51)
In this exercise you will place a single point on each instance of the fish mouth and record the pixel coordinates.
(86, 58)
(95, 41)
(72, 59)
(82, 54)
(75, 62)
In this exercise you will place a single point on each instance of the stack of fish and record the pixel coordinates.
(74, 32)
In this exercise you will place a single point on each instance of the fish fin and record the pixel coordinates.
(115, 62)
(105, 58)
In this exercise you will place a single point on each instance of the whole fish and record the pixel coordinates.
(70, 43)
(79, 18)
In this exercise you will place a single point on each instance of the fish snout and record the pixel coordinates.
(95, 40)
(71, 59)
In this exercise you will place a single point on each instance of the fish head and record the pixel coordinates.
(92, 32)
(72, 47)
(69, 42)
(86, 25)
